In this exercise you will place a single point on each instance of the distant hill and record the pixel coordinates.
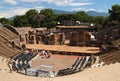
(94, 13)
(91, 13)
(62, 12)
(11, 18)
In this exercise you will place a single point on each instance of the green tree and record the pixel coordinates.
(90, 19)
(38, 20)
(49, 14)
(49, 18)
(105, 23)
(5, 21)
(114, 15)
(81, 16)
(63, 18)
(115, 12)
(20, 21)
(30, 15)
(99, 20)
(24, 20)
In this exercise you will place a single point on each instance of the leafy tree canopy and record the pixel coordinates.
(114, 17)
(115, 12)
(5, 21)
(47, 18)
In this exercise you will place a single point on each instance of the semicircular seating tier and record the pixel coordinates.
(6, 47)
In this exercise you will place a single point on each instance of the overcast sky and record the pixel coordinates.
(9, 8)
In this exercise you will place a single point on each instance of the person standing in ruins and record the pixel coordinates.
(9, 64)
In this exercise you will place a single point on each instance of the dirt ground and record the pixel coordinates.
(57, 61)
(104, 73)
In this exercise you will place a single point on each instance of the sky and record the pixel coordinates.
(9, 8)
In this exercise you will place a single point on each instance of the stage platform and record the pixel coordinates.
(64, 48)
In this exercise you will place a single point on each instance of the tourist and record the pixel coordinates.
(44, 53)
(48, 54)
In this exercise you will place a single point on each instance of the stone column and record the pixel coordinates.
(34, 39)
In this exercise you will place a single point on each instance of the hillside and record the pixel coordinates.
(91, 13)
(94, 13)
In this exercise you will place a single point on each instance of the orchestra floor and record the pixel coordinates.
(56, 61)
